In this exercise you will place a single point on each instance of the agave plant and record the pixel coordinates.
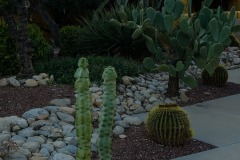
(101, 37)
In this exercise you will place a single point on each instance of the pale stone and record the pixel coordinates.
(3, 82)
(184, 97)
(126, 80)
(42, 82)
(61, 102)
(31, 83)
(37, 78)
(68, 110)
(5, 125)
(132, 120)
(44, 75)
(14, 82)
(118, 130)
(122, 136)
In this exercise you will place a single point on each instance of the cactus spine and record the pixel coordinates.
(168, 124)
(83, 119)
(218, 78)
(107, 114)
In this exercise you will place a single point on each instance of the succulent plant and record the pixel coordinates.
(83, 119)
(168, 124)
(106, 119)
(176, 39)
(218, 78)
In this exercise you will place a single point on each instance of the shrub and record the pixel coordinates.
(42, 50)
(8, 61)
(68, 36)
(63, 69)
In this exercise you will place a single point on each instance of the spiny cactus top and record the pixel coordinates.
(109, 75)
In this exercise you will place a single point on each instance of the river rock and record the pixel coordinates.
(31, 83)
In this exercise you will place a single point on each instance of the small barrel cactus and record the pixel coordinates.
(83, 120)
(106, 119)
(168, 125)
(218, 78)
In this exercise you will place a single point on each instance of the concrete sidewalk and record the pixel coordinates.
(217, 122)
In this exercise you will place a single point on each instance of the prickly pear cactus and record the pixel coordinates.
(168, 124)
(218, 78)
(83, 119)
(108, 112)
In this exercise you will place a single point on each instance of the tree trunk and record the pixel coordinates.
(25, 46)
(8, 18)
(173, 86)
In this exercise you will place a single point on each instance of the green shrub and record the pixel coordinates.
(8, 61)
(42, 50)
(64, 69)
(68, 36)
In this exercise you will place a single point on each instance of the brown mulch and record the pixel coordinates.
(137, 145)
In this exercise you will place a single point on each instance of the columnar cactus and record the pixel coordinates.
(106, 119)
(168, 124)
(83, 119)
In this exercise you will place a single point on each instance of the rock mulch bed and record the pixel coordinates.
(49, 133)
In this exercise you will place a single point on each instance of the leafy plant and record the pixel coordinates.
(42, 50)
(8, 61)
(68, 40)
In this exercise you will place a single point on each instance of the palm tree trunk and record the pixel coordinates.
(25, 46)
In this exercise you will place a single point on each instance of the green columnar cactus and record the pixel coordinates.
(168, 124)
(83, 119)
(218, 78)
(107, 114)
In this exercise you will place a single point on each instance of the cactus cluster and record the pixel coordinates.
(169, 125)
(218, 78)
(83, 119)
(106, 119)
(176, 39)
